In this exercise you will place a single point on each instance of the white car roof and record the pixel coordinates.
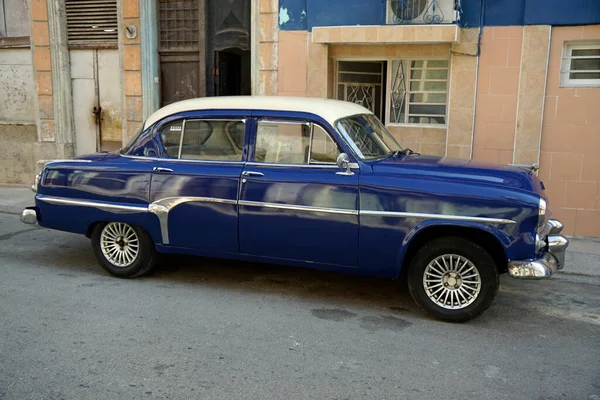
(330, 110)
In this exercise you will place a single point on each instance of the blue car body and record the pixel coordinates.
(303, 215)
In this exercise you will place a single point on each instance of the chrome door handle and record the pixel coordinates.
(161, 170)
(252, 173)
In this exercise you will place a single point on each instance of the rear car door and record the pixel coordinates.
(195, 186)
(294, 203)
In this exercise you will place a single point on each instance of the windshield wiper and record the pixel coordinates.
(404, 152)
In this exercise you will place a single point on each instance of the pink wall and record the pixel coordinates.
(570, 150)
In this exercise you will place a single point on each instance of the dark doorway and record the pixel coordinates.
(228, 47)
(232, 77)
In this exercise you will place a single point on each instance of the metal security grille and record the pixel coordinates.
(92, 23)
(178, 25)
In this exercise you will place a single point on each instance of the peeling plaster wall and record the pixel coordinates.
(16, 86)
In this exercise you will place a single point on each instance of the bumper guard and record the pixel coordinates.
(553, 258)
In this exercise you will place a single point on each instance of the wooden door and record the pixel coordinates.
(181, 48)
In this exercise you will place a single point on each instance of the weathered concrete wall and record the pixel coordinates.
(17, 86)
(15, 21)
(17, 164)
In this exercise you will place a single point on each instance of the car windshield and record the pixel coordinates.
(369, 137)
(132, 141)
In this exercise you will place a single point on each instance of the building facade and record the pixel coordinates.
(514, 81)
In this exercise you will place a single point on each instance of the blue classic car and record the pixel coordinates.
(306, 182)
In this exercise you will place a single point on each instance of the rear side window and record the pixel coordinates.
(210, 140)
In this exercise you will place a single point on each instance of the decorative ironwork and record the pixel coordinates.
(418, 11)
(433, 13)
(398, 93)
(362, 94)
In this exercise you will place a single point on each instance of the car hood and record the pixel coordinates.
(476, 172)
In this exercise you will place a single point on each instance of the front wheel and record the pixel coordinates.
(124, 250)
(453, 279)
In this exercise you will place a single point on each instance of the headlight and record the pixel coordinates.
(542, 212)
(36, 182)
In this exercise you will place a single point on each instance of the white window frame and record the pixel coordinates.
(388, 86)
(565, 65)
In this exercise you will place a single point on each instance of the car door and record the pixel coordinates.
(295, 202)
(195, 186)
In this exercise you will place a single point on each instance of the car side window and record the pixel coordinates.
(170, 136)
(287, 142)
(211, 140)
(323, 149)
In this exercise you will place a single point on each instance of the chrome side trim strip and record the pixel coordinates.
(162, 207)
(315, 166)
(436, 216)
(183, 160)
(91, 203)
(70, 161)
(298, 208)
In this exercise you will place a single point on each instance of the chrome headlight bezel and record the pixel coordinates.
(542, 209)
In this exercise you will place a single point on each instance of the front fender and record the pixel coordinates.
(514, 244)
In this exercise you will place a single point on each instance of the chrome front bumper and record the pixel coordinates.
(29, 216)
(553, 258)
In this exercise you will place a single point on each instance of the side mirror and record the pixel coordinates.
(343, 161)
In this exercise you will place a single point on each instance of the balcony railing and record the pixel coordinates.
(406, 12)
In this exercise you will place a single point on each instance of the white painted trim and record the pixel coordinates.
(544, 96)
(254, 22)
(518, 94)
(475, 98)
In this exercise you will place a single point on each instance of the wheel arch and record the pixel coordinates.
(488, 237)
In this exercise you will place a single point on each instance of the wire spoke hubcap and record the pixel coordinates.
(452, 281)
(119, 244)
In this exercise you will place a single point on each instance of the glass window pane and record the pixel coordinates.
(340, 92)
(426, 109)
(416, 64)
(429, 74)
(360, 78)
(353, 66)
(170, 137)
(213, 140)
(427, 86)
(427, 120)
(428, 97)
(584, 75)
(436, 63)
(585, 52)
(323, 148)
(282, 143)
(585, 64)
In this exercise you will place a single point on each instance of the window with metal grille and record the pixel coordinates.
(178, 25)
(580, 64)
(92, 23)
(419, 90)
(398, 91)
(362, 82)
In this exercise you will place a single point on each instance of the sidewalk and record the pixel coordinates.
(583, 254)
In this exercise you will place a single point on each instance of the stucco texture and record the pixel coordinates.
(570, 147)
(17, 164)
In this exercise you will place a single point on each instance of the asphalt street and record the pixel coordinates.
(207, 329)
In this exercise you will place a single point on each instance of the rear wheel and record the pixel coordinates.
(124, 250)
(453, 279)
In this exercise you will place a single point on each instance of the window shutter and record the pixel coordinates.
(92, 23)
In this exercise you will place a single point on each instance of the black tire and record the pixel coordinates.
(477, 255)
(143, 263)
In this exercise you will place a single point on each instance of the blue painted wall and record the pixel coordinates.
(306, 14)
